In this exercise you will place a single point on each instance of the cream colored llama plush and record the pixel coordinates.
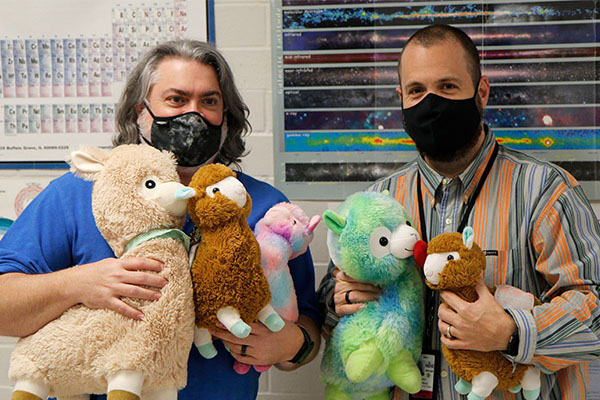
(136, 191)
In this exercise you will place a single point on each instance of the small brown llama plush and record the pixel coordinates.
(455, 263)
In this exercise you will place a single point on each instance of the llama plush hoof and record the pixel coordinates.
(515, 389)
(385, 395)
(473, 396)
(20, 395)
(363, 362)
(240, 329)
(207, 350)
(262, 368)
(333, 393)
(462, 386)
(404, 372)
(531, 394)
(274, 322)
(121, 395)
(241, 368)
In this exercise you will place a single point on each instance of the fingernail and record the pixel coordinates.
(157, 296)
(140, 316)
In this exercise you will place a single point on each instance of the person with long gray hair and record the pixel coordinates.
(180, 97)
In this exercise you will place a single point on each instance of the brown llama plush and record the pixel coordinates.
(229, 284)
(455, 263)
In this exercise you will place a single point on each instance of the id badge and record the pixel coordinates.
(429, 364)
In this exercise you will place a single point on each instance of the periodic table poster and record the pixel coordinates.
(338, 120)
(64, 64)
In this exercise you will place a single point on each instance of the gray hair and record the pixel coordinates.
(143, 76)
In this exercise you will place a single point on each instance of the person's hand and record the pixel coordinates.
(483, 325)
(264, 347)
(103, 283)
(349, 295)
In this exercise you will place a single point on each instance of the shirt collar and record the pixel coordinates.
(470, 176)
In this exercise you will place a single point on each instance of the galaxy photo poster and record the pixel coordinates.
(338, 118)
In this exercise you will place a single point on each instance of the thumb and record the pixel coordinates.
(481, 288)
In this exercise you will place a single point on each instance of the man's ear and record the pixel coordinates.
(399, 91)
(484, 90)
(138, 109)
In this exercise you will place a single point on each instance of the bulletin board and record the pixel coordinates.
(64, 64)
(338, 119)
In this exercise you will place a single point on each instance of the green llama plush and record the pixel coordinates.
(370, 351)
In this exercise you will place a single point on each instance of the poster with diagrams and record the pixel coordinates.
(64, 64)
(338, 119)
(17, 190)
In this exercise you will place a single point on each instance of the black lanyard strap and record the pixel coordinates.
(486, 171)
(470, 204)
(431, 296)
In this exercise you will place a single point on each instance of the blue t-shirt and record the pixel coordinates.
(57, 230)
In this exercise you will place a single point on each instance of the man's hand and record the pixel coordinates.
(102, 284)
(357, 292)
(482, 325)
(265, 347)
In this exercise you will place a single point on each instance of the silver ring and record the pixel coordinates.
(244, 348)
(348, 301)
(448, 334)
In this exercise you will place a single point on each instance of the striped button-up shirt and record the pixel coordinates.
(547, 238)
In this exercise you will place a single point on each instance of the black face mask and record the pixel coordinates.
(191, 138)
(441, 126)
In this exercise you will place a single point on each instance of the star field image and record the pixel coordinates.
(337, 74)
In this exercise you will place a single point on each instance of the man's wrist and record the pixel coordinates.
(512, 349)
(307, 347)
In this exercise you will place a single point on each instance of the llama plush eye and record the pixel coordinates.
(408, 223)
(147, 187)
(450, 257)
(229, 187)
(379, 242)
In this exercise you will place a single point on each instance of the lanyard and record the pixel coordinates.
(430, 299)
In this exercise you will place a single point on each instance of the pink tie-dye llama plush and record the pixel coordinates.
(283, 234)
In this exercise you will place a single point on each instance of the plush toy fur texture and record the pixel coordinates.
(226, 270)
(461, 276)
(387, 332)
(283, 234)
(75, 353)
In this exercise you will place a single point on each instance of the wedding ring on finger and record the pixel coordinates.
(448, 334)
(348, 301)
(243, 352)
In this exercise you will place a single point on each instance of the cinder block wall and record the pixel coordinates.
(243, 34)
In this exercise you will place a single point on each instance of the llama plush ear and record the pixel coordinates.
(312, 224)
(334, 221)
(468, 237)
(87, 162)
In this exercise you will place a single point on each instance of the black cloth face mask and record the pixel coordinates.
(439, 125)
(189, 136)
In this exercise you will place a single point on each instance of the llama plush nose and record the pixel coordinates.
(420, 253)
(403, 241)
(172, 196)
(185, 193)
